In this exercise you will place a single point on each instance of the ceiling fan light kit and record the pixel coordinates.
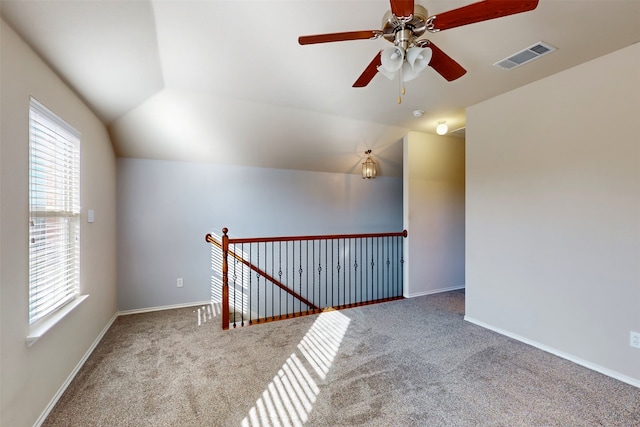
(405, 23)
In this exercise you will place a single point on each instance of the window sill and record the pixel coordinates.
(36, 332)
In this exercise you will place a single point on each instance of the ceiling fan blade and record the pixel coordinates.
(369, 73)
(339, 37)
(444, 65)
(402, 7)
(481, 11)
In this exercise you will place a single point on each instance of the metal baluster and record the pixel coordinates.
(313, 276)
(372, 277)
(251, 284)
(350, 275)
(242, 284)
(402, 266)
(326, 275)
(344, 273)
(273, 268)
(400, 243)
(383, 268)
(258, 275)
(372, 264)
(320, 275)
(258, 282)
(307, 265)
(332, 285)
(300, 271)
(389, 283)
(293, 276)
(398, 270)
(396, 283)
(380, 269)
(378, 281)
(366, 273)
(279, 272)
(333, 301)
(360, 298)
(234, 287)
(286, 272)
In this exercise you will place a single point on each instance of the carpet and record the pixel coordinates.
(412, 362)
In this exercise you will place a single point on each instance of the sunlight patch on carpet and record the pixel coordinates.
(289, 398)
(207, 312)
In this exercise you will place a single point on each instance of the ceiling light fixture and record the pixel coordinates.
(404, 59)
(404, 64)
(368, 167)
(442, 128)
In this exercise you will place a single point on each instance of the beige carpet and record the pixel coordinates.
(413, 362)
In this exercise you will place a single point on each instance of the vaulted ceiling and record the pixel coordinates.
(227, 81)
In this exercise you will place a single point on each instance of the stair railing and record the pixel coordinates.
(272, 278)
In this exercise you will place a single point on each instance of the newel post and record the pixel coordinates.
(225, 279)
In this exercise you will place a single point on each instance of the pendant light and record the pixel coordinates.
(368, 167)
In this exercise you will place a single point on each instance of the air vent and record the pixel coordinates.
(526, 55)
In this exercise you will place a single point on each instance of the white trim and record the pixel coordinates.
(608, 372)
(435, 291)
(43, 326)
(164, 307)
(73, 373)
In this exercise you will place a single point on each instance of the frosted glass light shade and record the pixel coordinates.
(418, 58)
(391, 59)
(442, 129)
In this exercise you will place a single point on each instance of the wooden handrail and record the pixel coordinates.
(268, 277)
(322, 237)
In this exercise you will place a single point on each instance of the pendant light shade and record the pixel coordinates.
(368, 167)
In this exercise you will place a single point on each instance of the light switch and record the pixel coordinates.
(91, 215)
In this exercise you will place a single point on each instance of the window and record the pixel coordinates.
(54, 212)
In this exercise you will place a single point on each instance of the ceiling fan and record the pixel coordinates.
(405, 23)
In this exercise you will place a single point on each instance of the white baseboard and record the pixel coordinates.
(608, 372)
(434, 291)
(164, 307)
(73, 373)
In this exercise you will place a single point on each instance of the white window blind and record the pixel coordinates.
(54, 212)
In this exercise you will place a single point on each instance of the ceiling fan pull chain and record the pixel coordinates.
(400, 86)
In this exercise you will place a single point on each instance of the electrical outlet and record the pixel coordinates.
(634, 340)
(180, 282)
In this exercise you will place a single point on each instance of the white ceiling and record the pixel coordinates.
(227, 82)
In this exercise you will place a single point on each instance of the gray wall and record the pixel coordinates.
(434, 213)
(553, 213)
(32, 376)
(166, 208)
